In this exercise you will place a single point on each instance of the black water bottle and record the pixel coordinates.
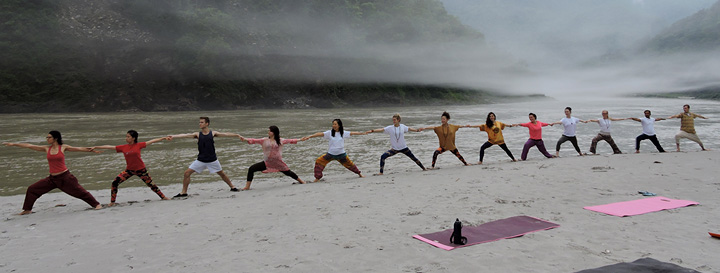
(456, 237)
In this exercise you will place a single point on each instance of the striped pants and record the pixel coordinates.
(323, 160)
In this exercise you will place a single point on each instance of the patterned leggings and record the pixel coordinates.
(393, 152)
(323, 160)
(441, 150)
(143, 174)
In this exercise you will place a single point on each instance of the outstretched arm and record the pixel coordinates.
(659, 119)
(617, 119)
(357, 133)
(428, 128)
(415, 130)
(26, 145)
(592, 120)
(218, 134)
(318, 134)
(191, 135)
(675, 116)
(635, 119)
(79, 149)
(108, 147)
(700, 116)
(156, 140)
(375, 130)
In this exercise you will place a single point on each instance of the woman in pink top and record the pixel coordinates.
(60, 177)
(272, 156)
(535, 139)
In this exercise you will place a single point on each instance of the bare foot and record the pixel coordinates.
(25, 212)
(361, 176)
(111, 204)
(514, 160)
(677, 150)
(479, 163)
(316, 180)
(378, 174)
(99, 206)
(245, 189)
(166, 198)
(637, 151)
(299, 181)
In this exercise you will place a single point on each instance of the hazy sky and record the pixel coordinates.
(582, 46)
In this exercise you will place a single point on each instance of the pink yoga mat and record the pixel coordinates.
(641, 206)
(492, 231)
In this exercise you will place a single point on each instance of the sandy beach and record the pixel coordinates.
(350, 224)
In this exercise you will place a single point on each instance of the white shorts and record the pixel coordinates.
(212, 167)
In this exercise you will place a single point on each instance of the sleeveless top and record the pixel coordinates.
(206, 148)
(56, 161)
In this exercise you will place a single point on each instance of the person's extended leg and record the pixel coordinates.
(116, 183)
(345, 161)
(593, 143)
(507, 151)
(257, 167)
(457, 154)
(485, 145)
(435, 155)
(67, 183)
(657, 143)
(412, 157)
(320, 164)
(384, 156)
(574, 142)
(34, 192)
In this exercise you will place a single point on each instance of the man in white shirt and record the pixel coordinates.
(604, 133)
(648, 125)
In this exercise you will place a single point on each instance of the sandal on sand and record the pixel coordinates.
(180, 195)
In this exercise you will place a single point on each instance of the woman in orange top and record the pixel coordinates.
(494, 130)
(446, 137)
(60, 177)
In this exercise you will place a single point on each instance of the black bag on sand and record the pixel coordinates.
(456, 237)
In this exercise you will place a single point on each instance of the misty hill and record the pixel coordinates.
(110, 55)
(699, 32)
(569, 32)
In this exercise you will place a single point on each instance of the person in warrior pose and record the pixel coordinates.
(494, 130)
(446, 136)
(570, 124)
(206, 159)
(535, 128)
(604, 133)
(60, 177)
(135, 164)
(397, 141)
(648, 125)
(272, 156)
(687, 127)
(336, 150)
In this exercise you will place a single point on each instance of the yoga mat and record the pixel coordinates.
(644, 265)
(492, 231)
(636, 207)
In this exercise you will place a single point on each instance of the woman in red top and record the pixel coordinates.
(60, 177)
(535, 128)
(135, 165)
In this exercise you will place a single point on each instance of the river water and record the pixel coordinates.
(166, 161)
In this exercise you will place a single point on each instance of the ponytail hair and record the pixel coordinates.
(276, 133)
(57, 136)
(134, 135)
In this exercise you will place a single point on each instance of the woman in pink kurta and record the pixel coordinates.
(272, 156)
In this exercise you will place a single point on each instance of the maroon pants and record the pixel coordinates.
(66, 182)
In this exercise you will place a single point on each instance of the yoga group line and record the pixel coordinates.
(61, 178)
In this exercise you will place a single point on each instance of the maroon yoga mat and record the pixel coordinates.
(488, 232)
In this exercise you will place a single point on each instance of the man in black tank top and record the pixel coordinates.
(206, 159)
